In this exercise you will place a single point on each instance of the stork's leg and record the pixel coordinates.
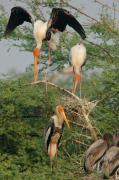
(80, 84)
(51, 164)
(75, 82)
(36, 55)
(49, 54)
(49, 62)
(56, 154)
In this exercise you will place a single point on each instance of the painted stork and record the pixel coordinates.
(78, 60)
(44, 30)
(110, 165)
(96, 151)
(54, 132)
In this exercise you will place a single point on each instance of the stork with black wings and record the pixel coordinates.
(17, 17)
(54, 132)
(43, 30)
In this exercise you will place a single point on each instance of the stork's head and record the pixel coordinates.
(60, 112)
(108, 138)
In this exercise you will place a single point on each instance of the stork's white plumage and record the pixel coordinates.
(39, 30)
(54, 132)
(78, 58)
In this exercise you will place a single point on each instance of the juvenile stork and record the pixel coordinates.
(110, 165)
(54, 132)
(96, 151)
(44, 30)
(78, 59)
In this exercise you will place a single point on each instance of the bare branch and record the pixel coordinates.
(104, 49)
(113, 9)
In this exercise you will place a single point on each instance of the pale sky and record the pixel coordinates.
(15, 59)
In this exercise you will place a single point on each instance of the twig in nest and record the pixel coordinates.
(77, 124)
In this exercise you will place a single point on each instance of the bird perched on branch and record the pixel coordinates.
(96, 151)
(58, 21)
(110, 163)
(78, 60)
(54, 132)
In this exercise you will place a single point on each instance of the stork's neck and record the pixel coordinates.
(40, 29)
(58, 121)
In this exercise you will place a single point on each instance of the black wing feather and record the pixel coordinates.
(48, 133)
(17, 17)
(71, 21)
(60, 18)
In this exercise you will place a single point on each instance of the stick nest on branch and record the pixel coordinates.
(78, 110)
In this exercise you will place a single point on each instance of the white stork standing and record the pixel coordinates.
(59, 19)
(96, 151)
(78, 59)
(110, 165)
(54, 132)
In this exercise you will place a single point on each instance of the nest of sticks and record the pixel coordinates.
(78, 110)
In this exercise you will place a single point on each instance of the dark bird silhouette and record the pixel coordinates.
(96, 151)
(54, 132)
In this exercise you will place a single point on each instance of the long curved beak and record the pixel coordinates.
(65, 118)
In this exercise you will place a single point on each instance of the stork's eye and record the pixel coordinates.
(48, 35)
